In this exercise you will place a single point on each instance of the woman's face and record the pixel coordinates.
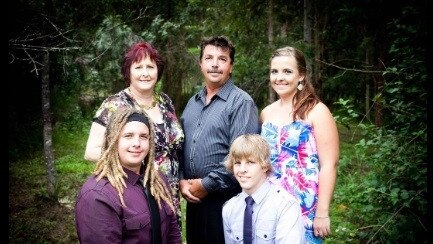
(144, 74)
(133, 145)
(284, 75)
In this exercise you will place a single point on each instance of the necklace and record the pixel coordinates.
(144, 106)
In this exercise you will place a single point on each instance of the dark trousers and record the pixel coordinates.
(204, 222)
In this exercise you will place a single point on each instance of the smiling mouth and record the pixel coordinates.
(214, 72)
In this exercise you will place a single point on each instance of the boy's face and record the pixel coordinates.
(133, 145)
(249, 174)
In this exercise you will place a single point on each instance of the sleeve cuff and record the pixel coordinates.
(209, 184)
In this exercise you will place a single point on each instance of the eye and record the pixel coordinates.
(274, 72)
(251, 162)
(145, 136)
(128, 135)
(237, 163)
(287, 71)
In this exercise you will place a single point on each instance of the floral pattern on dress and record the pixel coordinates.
(296, 166)
(168, 136)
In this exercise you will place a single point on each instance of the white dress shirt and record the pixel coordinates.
(276, 217)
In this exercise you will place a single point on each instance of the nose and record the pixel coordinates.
(243, 167)
(136, 141)
(280, 76)
(145, 72)
(215, 63)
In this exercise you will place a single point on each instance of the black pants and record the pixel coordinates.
(204, 224)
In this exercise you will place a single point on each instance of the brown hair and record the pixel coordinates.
(306, 99)
(219, 41)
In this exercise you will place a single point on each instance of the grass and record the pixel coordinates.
(35, 218)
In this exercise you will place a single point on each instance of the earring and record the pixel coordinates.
(300, 86)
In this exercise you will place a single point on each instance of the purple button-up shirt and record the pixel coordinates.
(101, 218)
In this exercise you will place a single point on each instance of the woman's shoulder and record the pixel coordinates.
(164, 97)
(117, 99)
(268, 110)
(115, 95)
(319, 110)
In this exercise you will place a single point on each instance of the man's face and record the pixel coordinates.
(216, 66)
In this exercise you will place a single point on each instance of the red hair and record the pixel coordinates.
(136, 53)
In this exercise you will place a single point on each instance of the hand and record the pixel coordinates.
(322, 227)
(185, 187)
(197, 188)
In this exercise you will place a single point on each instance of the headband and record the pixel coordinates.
(138, 117)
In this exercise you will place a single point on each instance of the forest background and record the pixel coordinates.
(369, 61)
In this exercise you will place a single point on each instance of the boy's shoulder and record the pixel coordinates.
(234, 198)
(232, 201)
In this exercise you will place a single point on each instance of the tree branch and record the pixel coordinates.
(350, 69)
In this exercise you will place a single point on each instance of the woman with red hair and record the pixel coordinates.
(142, 67)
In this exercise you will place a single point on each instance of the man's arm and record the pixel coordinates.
(243, 120)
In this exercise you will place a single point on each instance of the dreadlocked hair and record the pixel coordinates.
(109, 165)
(306, 99)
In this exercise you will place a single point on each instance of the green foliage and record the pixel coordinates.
(101, 74)
(345, 114)
(381, 187)
(34, 217)
(382, 181)
(382, 175)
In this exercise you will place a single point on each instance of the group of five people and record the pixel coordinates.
(219, 152)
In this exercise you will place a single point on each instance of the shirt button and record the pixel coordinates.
(193, 141)
(265, 236)
(237, 238)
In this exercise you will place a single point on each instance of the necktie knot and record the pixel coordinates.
(249, 200)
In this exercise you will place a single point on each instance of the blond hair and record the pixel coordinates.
(251, 147)
(109, 165)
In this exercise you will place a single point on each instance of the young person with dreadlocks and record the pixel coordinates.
(127, 198)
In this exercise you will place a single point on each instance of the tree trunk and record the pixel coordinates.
(271, 93)
(307, 33)
(368, 61)
(321, 21)
(48, 130)
(378, 107)
(307, 22)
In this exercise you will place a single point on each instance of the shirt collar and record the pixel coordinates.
(260, 193)
(132, 178)
(223, 93)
